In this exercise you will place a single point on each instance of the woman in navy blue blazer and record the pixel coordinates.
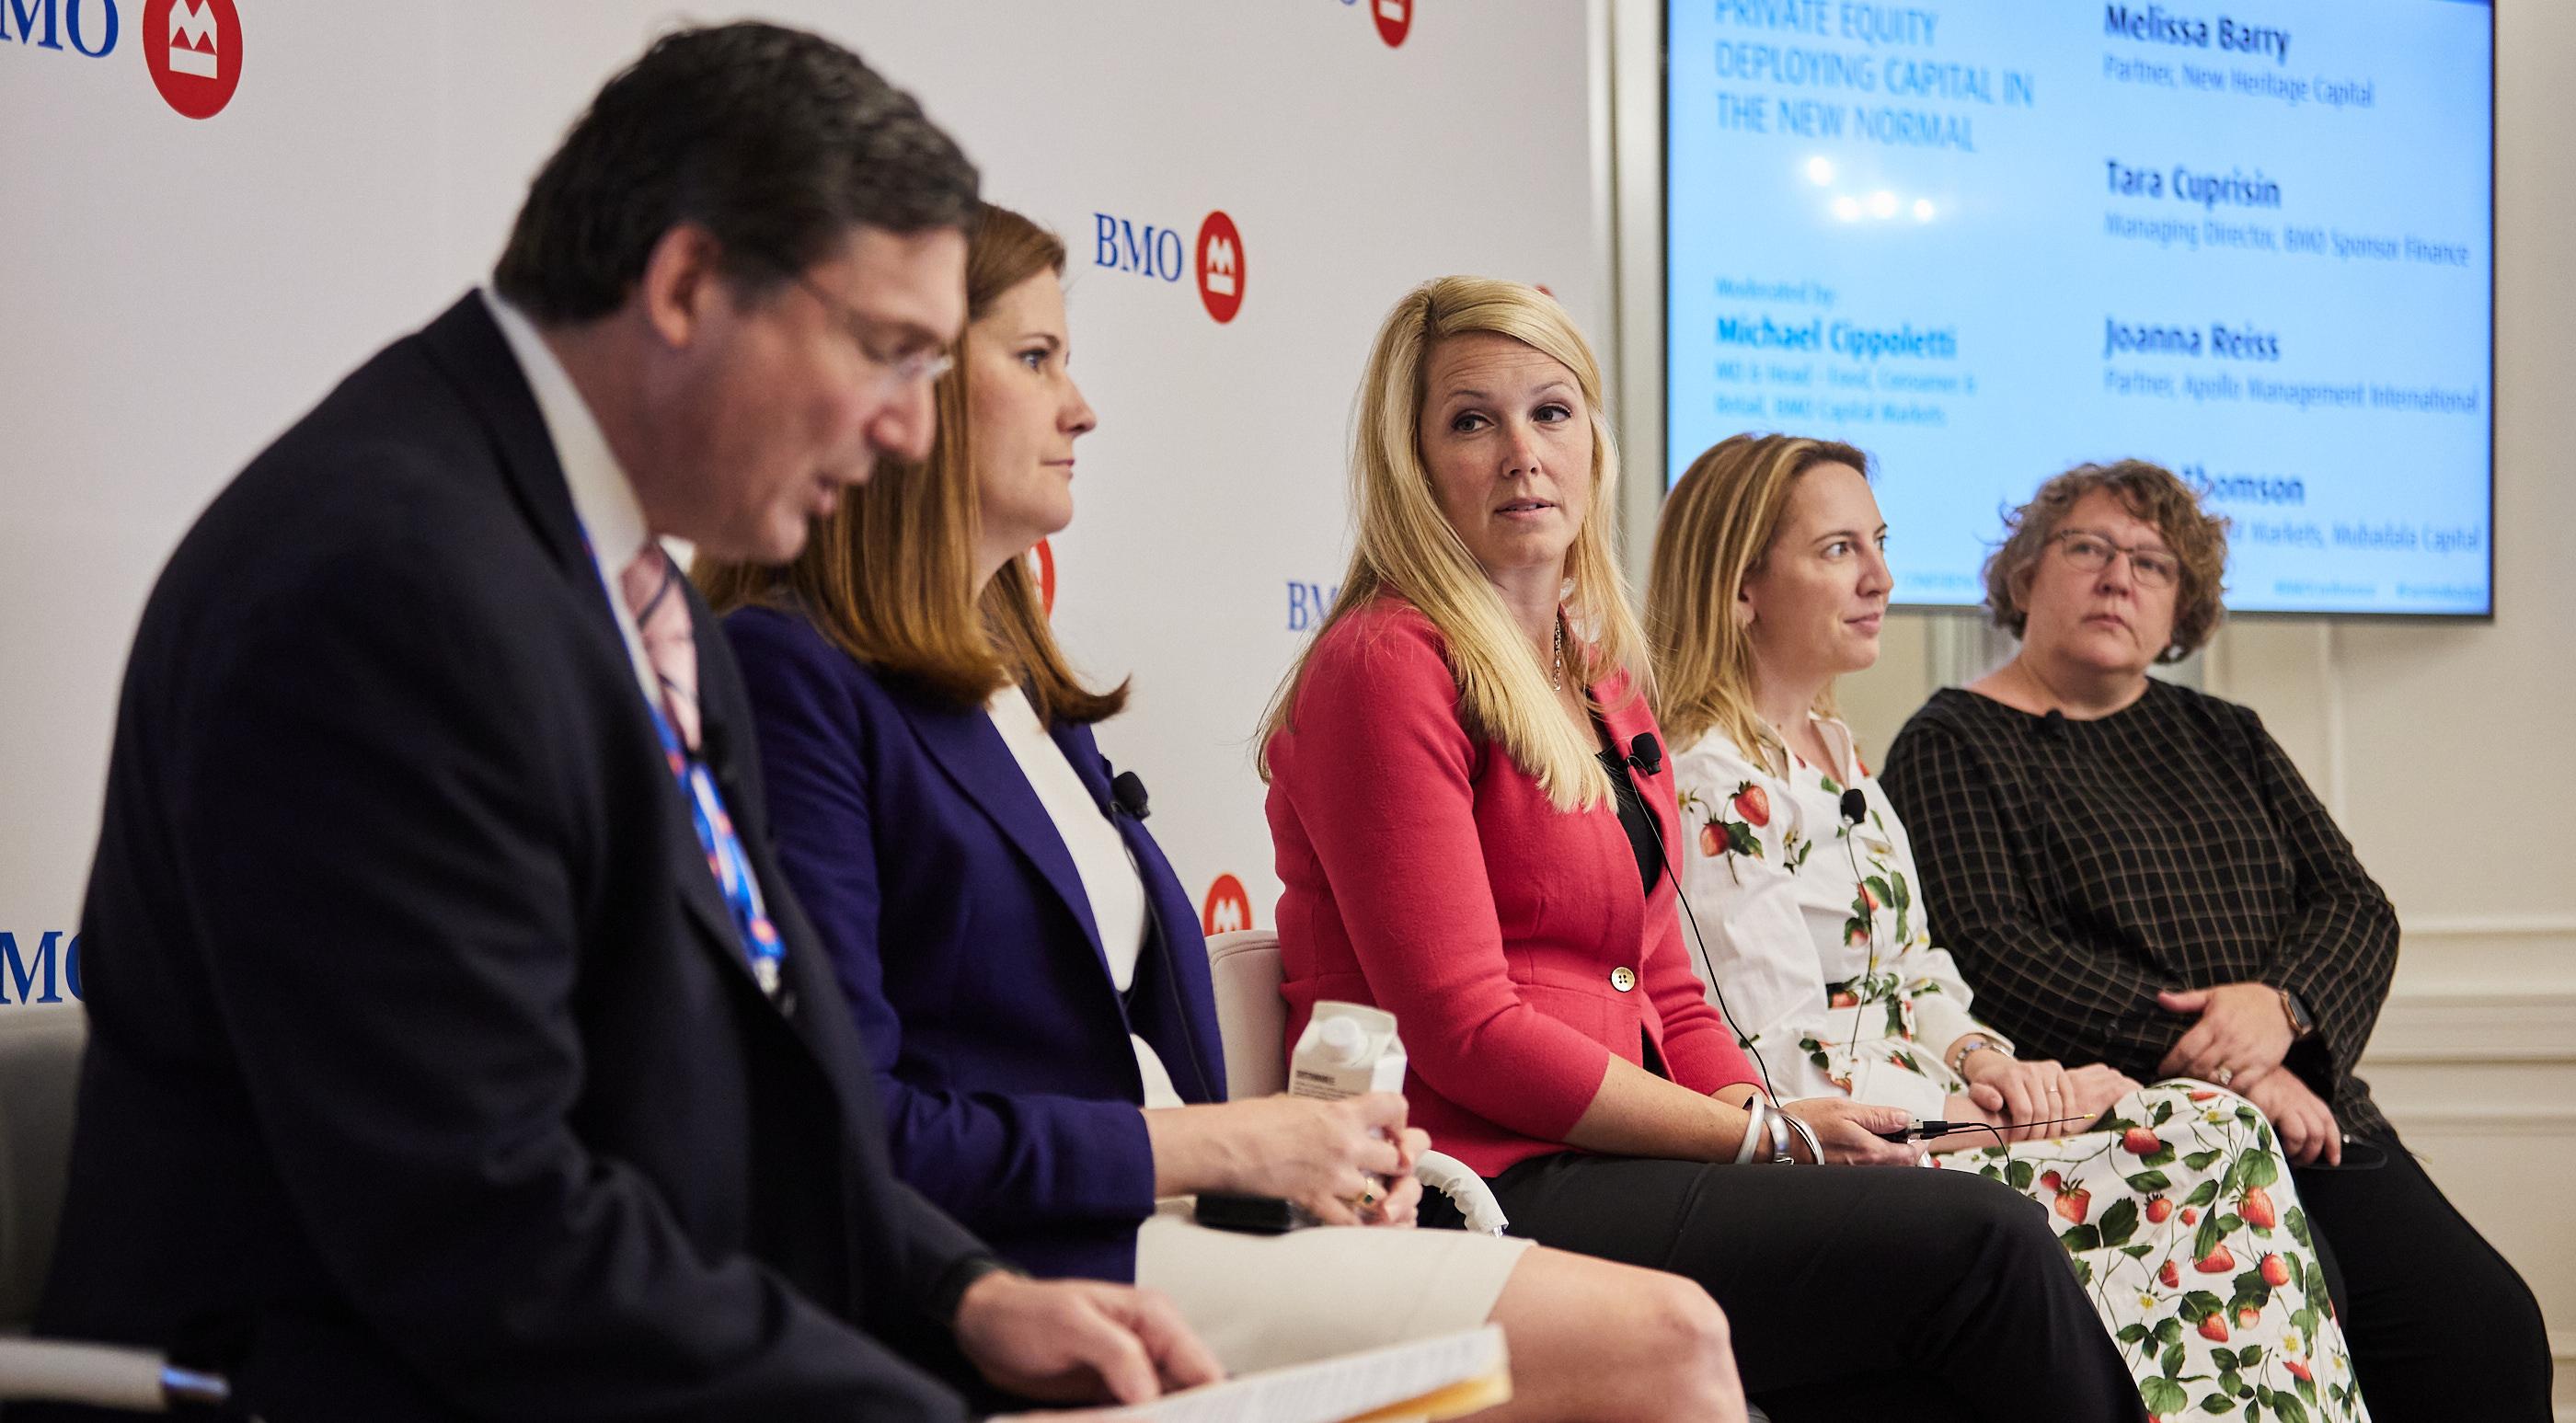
(1029, 973)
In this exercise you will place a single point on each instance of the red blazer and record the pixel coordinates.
(1427, 874)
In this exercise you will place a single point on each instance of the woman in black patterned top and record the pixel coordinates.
(2133, 872)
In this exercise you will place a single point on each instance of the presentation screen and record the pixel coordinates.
(1987, 240)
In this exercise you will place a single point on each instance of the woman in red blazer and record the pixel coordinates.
(1470, 834)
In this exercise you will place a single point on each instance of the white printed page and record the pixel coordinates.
(1349, 1387)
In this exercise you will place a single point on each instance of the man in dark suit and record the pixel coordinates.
(457, 1050)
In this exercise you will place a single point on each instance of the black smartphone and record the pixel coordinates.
(1253, 1215)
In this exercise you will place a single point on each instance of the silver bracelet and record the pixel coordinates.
(1779, 1125)
(1807, 1134)
(1758, 1110)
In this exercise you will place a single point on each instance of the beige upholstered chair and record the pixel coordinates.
(1253, 1019)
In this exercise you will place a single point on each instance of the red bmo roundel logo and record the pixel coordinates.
(194, 48)
(1220, 267)
(1227, 909)
(1394, 20)
(1042, 563)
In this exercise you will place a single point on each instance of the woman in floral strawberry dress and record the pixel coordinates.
(2174, 1205)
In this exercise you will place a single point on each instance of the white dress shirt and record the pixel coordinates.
(603, 498)
(1100, 860)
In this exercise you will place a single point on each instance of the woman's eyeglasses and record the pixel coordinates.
(2153, 567)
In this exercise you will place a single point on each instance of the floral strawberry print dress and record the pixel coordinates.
(2177, 1209)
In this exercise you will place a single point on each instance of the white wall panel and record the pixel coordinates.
(173, 292)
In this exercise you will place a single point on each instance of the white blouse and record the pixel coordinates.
(1793, 899)
(1100, 860)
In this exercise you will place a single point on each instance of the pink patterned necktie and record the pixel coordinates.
(651, 585)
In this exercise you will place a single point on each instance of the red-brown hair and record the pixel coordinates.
(889, 576)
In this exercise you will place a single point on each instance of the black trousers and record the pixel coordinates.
(1861, 1293)
(2441, 1327)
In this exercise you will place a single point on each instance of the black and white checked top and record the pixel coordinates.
(2074, 868)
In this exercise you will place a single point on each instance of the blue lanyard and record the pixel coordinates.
(725, 857)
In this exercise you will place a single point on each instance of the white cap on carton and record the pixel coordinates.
(1342, 1041)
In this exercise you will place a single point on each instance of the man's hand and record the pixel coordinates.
(2304, 1123)
(1073, 1341)
(2242, 1030)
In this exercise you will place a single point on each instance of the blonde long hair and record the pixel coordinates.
(1716, 528)
(1405, 545)
(889, 575)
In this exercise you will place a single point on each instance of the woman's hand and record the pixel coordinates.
(2243, 1033)
(2304, 1123)
(1847, 1130)
(2093, 1089)
(2025, 1096)
(1328, 1157)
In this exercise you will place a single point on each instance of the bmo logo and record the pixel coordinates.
(90, 25)
(1214, 259)
(1220, 250)
(44, 968)
(1227, 909)
(1042, 567)
(1394, 20)
(1308, 603)
(194, 48)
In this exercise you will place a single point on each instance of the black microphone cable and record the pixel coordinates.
(1646, 753)
(1855, 808)
(1925, 1130)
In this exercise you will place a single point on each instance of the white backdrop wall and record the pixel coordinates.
(173, 292)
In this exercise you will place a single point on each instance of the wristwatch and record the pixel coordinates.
(2302, 1022)
(1968, 1047)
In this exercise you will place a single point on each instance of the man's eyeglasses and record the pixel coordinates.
(2153, 567)
(898, 373)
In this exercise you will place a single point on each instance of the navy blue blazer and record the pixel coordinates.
(969, 955)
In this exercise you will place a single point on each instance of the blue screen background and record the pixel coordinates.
(1985, 240)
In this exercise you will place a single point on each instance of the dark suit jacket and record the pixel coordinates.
(969, 955)
(426, 1078)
